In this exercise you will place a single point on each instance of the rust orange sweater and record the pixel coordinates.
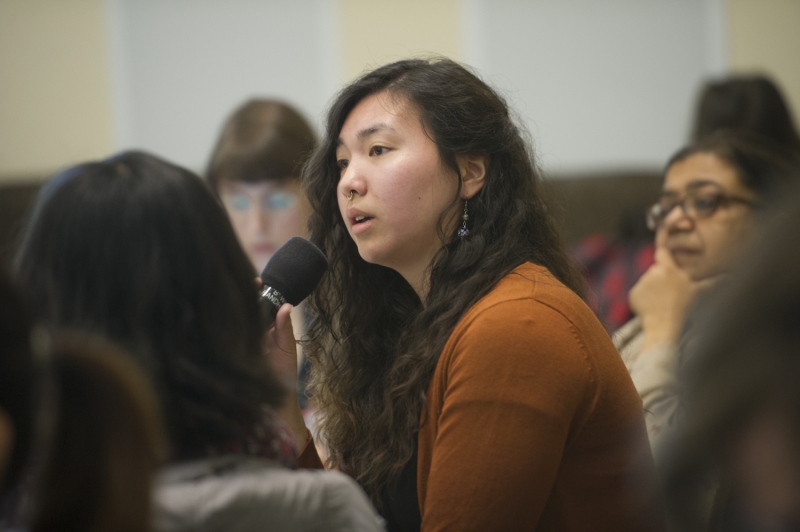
(532, 422)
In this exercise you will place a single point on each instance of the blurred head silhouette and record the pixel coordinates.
(140, 251)
(20, 386)
(751, 103)
(742, 401)
(79, 418)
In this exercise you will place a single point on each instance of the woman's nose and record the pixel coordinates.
(677, 218)
(353, 180)
(257, 218)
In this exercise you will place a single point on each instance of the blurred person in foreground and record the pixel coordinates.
(255, 170)
(140, 251)
(739, 436)
(80, 430)
(714, 194)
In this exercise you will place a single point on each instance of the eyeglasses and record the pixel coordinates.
(696, 204)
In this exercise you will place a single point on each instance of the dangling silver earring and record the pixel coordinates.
(463, 231)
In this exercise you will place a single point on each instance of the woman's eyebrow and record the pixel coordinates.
(700, 183)
(366, 132)
(693, 185)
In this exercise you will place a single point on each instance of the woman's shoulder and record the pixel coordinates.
(531, 291)
(532, 318)
(252, 492)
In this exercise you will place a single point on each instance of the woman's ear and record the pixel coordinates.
(473, 173)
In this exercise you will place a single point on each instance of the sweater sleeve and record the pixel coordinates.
(654, 373)
(515, 391)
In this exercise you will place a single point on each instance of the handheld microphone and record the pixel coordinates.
(291, 274)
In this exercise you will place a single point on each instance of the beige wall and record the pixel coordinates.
(375, 32)
(765, 37)
(55, 87)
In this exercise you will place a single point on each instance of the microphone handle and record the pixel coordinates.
(269, 301)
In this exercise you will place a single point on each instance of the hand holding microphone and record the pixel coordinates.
(293, 272)
(289, 277)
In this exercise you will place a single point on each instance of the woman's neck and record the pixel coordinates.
(419, 281)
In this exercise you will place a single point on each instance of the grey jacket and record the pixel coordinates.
(654, 373)
(241, 494)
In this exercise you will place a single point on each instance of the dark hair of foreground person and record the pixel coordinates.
(139, 250)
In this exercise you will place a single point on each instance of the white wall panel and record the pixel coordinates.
(602, 85)
(181, 66)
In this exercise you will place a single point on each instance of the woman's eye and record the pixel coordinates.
(377, 150)
(237, 202)
(706, 204)
(665, 206)
(279, 200)
(342, 163)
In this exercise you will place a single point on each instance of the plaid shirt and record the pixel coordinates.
(611, 268)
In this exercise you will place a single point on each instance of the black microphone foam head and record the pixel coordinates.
(295, 269)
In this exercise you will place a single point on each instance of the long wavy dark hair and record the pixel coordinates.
(139, 251)
(372, 343)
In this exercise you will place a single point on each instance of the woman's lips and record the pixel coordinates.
(359, 225)
(262, 249)
(359, 220)
(683, 253)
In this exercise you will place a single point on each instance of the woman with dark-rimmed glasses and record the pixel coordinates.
(714, 195)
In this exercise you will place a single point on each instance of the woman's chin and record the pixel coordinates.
(370, 257)
(373, 255)
(260, 260)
